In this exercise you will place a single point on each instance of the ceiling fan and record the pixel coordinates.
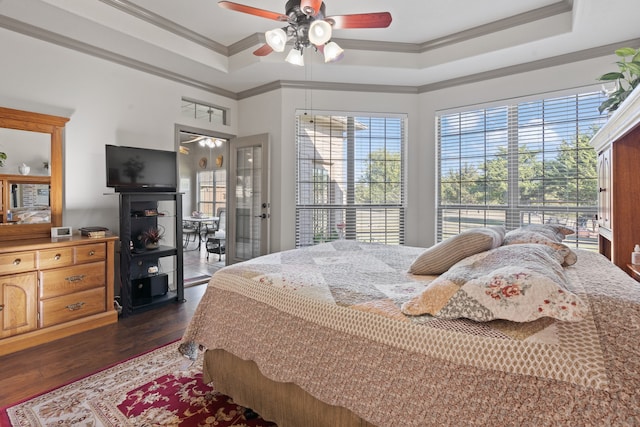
(307, 25)
(204, 141)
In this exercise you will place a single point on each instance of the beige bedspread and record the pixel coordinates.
(328, 319)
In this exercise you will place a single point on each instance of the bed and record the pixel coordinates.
(323, 336)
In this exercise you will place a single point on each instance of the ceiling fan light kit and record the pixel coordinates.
(308, 27)
(295, 57)
(333, 52)
(276, 39)
(319, 32)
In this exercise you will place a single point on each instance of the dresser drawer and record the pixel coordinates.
(52, 258)
(89, 253)
(17, 262)
(70, 307)
(62, 281)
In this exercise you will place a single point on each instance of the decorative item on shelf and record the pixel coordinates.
(94, 232)
(152, 236)
(3, 157)
(626, 79)
(24, 169)
(45, 166)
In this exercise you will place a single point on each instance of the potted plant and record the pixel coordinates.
(151, 237)
(3, 157)
(627, 78)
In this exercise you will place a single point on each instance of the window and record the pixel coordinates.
(212, 191)
(350, 178)
(520, 163)
(205, 112)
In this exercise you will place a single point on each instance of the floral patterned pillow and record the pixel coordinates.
(520, 283)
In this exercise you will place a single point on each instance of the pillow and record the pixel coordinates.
(438, 258)
(545, 234)
(555, 232)
(520, 283)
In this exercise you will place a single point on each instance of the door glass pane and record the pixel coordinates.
(248, 200)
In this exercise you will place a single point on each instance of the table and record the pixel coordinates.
(199, 221)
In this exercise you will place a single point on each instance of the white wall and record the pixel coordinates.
(107, 103)
(112, 104)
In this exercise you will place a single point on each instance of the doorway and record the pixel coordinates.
(202, 173)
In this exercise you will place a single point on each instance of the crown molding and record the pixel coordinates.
(167, 25)
(60, 40)
(559, 8)
(64, 41)
(246, 43)
(553, 61)
(326, 86)
(563, 6)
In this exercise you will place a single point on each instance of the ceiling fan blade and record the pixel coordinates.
(310, 7)
(361, 20)
(263, 50)
(252, 11)
(196, 139)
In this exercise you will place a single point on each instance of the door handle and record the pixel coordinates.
(263, 216)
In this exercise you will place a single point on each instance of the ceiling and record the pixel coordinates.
(429, 44)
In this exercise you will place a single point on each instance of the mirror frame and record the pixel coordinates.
(54, 126)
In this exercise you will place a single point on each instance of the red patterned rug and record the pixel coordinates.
(159, 388)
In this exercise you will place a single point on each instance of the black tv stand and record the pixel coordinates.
(150, 277)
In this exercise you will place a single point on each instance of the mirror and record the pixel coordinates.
(30, 174)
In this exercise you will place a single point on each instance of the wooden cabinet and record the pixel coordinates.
(18, 298)
(618, 146)
(51, 288)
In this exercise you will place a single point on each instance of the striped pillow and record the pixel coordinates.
(440, 257)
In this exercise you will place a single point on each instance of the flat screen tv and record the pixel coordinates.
(131, 169)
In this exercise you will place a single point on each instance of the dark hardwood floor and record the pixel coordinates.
(38, 369)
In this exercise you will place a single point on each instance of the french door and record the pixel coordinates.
(248, 198)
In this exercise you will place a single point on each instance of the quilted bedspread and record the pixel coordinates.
(328, 319)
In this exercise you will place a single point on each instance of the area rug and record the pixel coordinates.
(159, 388)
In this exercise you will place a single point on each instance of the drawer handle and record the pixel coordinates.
(17, 261)
(77, 278)
(92, 253)
(57, 257)
(76, 306)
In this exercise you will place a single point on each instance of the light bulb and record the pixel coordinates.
(295, 57)
(319, 32)
(276, 39)
(333, 52)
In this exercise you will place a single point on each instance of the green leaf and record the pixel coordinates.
(625, 51)
(611, 76)
(634, 68)
(606, 105)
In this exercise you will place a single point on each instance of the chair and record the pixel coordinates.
(189, 233)
(216, 243)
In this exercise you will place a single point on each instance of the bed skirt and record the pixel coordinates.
(286, 404)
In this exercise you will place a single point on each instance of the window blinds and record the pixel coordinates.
(349, 178)
(520, 163)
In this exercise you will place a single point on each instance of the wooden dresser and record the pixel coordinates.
(51, 288)
(618, 146)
